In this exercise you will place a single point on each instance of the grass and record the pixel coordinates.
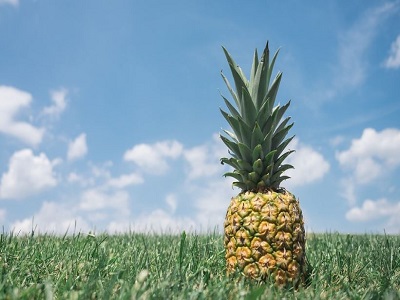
(145, 266)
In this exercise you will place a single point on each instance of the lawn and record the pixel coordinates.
(153, 266)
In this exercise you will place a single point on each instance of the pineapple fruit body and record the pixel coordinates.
(264, 237)
(264, 229)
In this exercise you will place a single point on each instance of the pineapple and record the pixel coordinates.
(264, 233)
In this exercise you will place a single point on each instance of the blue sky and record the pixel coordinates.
(109, 111)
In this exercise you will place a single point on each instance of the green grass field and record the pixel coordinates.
(138, 266)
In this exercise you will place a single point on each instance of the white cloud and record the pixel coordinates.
(56, 218)
(77, 148)
(372, 155)
(58, 98)
(337, 140)
(11, 2)
(153, 158)
(102, 170)
(100, 175)
(95, 199)
(158, 221)
(27, 175)
(125, 180)
(309, 165)
(172, 202)
(93, 208)
(348, 190)
(74, 177)
(375, 210)
(12, 101)
(198, 159)
(371, 210)
(211, 201)
(393, 61)
(203, 160)
(83, 181)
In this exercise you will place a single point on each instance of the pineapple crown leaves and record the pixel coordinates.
(258, 138)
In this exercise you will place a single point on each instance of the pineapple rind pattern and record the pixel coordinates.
(264, 236)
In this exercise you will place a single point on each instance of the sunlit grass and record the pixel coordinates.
(144, 266)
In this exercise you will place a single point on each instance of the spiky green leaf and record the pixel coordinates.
(257, 137)
(237, 176)
(248, 112)
(283, 146)
(270, 97)
(231, 145)
(231, 108)
(279, 136)
(231, 91)
(254, 177)
(231, 162)
(254, 66)
(258, 166)
(245, 152)
(260, 83)
(271, 66)
(237, 73)
(280, 160)
(257, 153)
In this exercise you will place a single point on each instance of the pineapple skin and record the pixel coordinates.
(264, 237)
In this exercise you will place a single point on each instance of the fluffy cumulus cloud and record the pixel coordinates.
(77, 148)
(158, 221)
(205, 191)
(96, 199)
(27, 175)
(153, 158)
(371, 210)
(310, 165)
(375, 210)
(203, 160)
(348, 190)
(91, 209)
(125, 180)
(59, 103)
(54, 218)
(104, 202)
(371, 155)
(211, 202)
(12, 101)
(393, 61)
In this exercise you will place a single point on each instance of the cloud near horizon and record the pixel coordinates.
(371, 155)
(381, 209)
(27, 175)
(105, 200)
